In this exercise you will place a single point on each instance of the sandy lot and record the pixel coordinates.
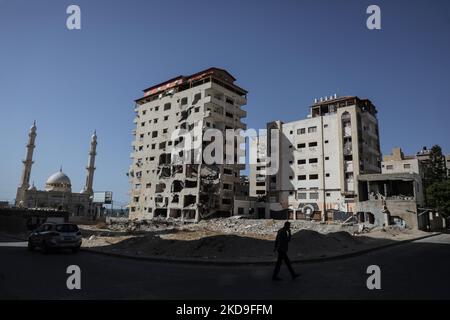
(235, 239)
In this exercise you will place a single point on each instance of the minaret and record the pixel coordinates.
(28, 162)
(91, 165)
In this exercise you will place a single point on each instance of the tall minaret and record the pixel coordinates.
(28, 162)
(91, 165)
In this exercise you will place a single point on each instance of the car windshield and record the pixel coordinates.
(66, 228)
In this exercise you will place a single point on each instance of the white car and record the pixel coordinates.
(50, 236)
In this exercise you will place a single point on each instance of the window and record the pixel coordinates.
(144, 112)
(197, 97)
(154, 134)
(327, 175)
(142, 124)
(312, 129)
(301, 177)
(152, 158)
(291, 193)
(141, 148)
(227, 186)
(325, 126)
(153, 146)
(197, 109)
(260, 184)
(156, 108)
(327, 158)
(290, 161)
(312, 144)
(301, 145)
(389, 167)
(328, 194)
(313, 176)
(155, 120)
(229, 100)
(406, 166)
(226, 201)
(227, 171)
(165, 130)
(313, 160)
(301, 131)
(301, 161)
(291, 132)
(166, 118)
(314, 195)
(167, 106)
(148, 185)
(291, 178)
(326, 141)
(229, 115)
(184, 101)
(301, 195)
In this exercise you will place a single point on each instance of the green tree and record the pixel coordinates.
(435, 169)
(438, 196)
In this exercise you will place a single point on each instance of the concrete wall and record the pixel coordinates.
(406, 210)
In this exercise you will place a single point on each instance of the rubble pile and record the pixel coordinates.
(264, 227)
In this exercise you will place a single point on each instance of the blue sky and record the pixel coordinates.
(285, 53)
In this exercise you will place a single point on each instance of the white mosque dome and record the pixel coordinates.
(58, 181)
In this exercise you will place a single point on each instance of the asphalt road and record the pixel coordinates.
(413, 270)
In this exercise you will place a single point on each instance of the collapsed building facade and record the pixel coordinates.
(191, 190)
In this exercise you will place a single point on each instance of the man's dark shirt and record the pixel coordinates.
(282, 240)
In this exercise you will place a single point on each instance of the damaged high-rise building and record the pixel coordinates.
(161, 186)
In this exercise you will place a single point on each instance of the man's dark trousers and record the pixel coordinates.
(282, 256)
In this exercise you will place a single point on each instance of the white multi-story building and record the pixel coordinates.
(161, 186)
(320, 157)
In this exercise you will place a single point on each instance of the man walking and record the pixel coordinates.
(281, 246)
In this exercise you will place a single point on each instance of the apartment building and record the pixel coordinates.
(320, 157)
(164, 186)
(397, 162)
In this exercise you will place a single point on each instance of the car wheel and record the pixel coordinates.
(30, 246)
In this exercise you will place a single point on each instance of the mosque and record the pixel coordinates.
(58, 188)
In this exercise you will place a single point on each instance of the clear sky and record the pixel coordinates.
(284, 52)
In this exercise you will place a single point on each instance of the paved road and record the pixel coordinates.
(415, 270)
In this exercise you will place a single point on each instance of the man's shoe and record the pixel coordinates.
(276, 279)
(295, 276)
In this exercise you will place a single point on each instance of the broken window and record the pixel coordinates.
(184, 101)
(191, 183)
(167, 106)
(301, 177)
(160, 187)
(301, 161)
(312, 144)
(197, 97)
(154, 134)
(189, 200)
(313, 160)
(177, 186)
(301, 145)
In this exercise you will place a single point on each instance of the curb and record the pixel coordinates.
(250, 263)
